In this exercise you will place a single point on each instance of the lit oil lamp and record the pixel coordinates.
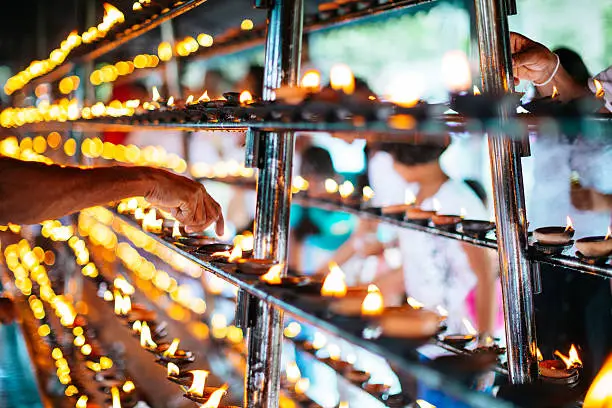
(462, 340)
(446, 222)
(553, 240)
(150, 222)
(475, 228)
(409, 323)
(197, 392)
(599, 394)
(564, 371)
(399, 209)
(373, 304)
(334, 284)
(346, 190)
(146, 341)
(217, 251)
(170, 353)
(367, 193)
(595, 249)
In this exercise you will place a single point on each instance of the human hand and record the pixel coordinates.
(588, 199)
(187, 201)
(531, 60)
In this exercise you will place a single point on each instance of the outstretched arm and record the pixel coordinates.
(481, 262)
(31, 192)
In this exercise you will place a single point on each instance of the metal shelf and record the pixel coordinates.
(312, 310)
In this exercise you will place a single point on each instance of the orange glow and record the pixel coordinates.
(116, 399)
(246, 24)
(572, 360)
(215, 398)
(555, 92)
(156, 95)
(128, 386)
(164, 51)
(539, 354)
(236, 254)
(137, 326)
(273, 276)
(189, 100)
(170, 102)
(373, 304)
(145, 337)
(173, 370)
(172, 349)
(346, 189)
(413, 303)
(367, 193)
(341, 78)
(151, 223)
(334, 284)
(292, 372)
(569, 225)
(199, 381)
(204, 97)
(599, 91)
(311, 80)
(175, 230)
(456, 71)
(246, 97)
(331, 186)
(600, 391)
(475, 90)
(302, 385)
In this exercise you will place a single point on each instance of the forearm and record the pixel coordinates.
(481, 263)
(33, 192)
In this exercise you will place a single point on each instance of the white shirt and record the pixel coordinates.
(605, 77)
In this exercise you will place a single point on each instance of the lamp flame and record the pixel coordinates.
(172, 349)
(173, 370)
(600, 391)
(146, 341)
(367, 193)
(341, 78)
(236, 254)
(373, 304)
(463, 212)
(311, 80)
(215, 398)
(273, 276)
(204, 97)
(116, 399)
(137, 326)
(199, 381)
(555, 92)
(599, 90)
(572, 360)
(469, 326)
(151, 223)
(334, 284)
(302, 385)
(346, 189)
(569, 225)
(476, 91)
(413, 303)
(293, 372)
(170, 102)
(409, 197)
(128, 387)
(156, 95)
(246, 97)
(609, 234)
(331, 186)
(539, 354)
(175, 230)
(189, 100)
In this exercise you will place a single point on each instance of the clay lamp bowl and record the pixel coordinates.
(395, 210)
(594, 249)
(419, 216)
(409, 323)
(458, 340)
(206, 395)
(349, 305)
(556, 372)
(257, 267)
(380, 390)
(213, 251)
(179, 357)
(357, 376)
(446, 222)
(476, 228)
(553, 240)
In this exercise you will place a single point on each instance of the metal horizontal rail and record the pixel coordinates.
(308, 309)
(113, 43)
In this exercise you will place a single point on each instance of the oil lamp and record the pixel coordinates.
(564, 371)
(409, 200)
(595, 248)
(462, 340)
(334, 284)
(373, 303)
(170, 353)
(174, 374)
(553, 240)
(146, 341)
(446, 222)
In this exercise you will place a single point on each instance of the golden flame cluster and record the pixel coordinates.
(69, 84)
(221, 169)
(37, 68)
(110, 72)
(28, 149)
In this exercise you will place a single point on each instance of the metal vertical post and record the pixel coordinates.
(282, 61)
(510, 215)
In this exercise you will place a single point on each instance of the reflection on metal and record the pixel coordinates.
(282, 66)
(510, 216)
(537, 278)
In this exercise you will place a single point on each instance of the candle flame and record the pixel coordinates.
(469, 326)
(569, 225)
(156, 95)
(151, 223)
(572, 360)
(199, 381)
(170, 101)
(413, 303)
(146, 341)
(346, 189)
(137, 326)
(539, 354)
(139, 214)
(311, 80)
(293, 372)
(128, 387)
(246, 97)
(409, 197)
(334, 284)
(341, 78)
(300, 183)
(600, 391)
(82, 402)
(609, 234)
(555, 92)
(123, 285)
(236, 254)
(475, 90)
(173, 370)
(599, 90)
(116, 399)
(373, 304)
(273, 276)
(171, 350)
(189, 100)
(367, 193)
(204, 97)
(245, 241)
(175, 230)
(132, 205)
(463, 212)
(215, 398)
(302, 385)
(331, 186)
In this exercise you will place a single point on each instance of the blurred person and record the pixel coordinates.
(123, 93)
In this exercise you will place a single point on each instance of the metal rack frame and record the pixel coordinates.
(283, 51)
